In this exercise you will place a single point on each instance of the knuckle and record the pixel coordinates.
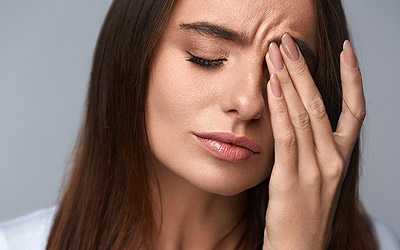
(283, 79)
(335, 169)
(356, 77)
(280, 108)
(288, 140)
(361, 114)
(313, 177)
(301, 119)
(301, 69)
(317, 110)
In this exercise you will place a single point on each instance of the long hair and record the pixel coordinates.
(106, 201)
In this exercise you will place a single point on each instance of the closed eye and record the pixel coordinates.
(207, 63)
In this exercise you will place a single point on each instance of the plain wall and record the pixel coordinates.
(46, 48)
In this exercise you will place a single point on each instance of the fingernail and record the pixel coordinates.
(275, 56)
(349, 56)
(290, 48)
(275, 86)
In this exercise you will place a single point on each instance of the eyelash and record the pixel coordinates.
(206, 63)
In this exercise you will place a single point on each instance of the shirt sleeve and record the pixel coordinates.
(3, 242)
(387, 238)
(28, 232)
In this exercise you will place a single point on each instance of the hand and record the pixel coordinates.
(310, 160)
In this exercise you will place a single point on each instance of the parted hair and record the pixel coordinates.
(105, 200)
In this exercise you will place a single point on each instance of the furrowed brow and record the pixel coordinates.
(210, 29)
(224, 33)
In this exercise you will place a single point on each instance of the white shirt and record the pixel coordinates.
(30, 232)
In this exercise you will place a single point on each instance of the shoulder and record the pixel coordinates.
(27, 232)
(387, 238)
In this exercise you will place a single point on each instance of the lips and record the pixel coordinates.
(228, 138)
(229, 147)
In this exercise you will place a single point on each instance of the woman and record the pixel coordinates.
(219, 125)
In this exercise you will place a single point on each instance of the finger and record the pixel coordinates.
(297, 113)
(309, 95)
(283, 132)
(353, 105)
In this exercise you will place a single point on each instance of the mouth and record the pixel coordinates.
(229, 147)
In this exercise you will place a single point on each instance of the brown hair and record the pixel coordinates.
(107, 201)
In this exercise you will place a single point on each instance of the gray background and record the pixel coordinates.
(46, 48)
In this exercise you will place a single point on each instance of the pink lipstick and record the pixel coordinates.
(228, 146)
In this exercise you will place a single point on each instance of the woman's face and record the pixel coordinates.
(209, 76)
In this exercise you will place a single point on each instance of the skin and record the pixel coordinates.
(203, 196)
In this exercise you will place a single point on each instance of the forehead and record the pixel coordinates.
(258, 20)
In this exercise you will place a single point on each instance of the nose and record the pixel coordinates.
(245, 96)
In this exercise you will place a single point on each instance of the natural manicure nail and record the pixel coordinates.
(349, 56)
(290, 48)
(275, 86)
(275, 56)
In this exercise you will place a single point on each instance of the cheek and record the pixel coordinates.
(179, 97)
(172, 103)
(173, 96)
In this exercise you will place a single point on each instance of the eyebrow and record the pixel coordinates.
(224, 33)
(207, 28)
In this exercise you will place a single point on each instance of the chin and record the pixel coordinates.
(226, 180)
(226, 190)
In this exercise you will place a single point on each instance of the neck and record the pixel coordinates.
(193, 218)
